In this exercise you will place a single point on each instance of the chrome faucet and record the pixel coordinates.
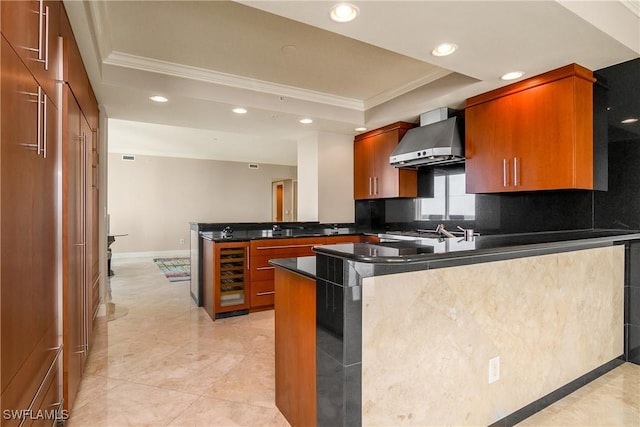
(441, 230)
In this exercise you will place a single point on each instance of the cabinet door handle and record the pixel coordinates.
(247, 257)
(261, 248)
(370, 186)
(265, 268)
(504, 172)
(259, 294)
(375, 185)
(39, 125)
(44, 126)
(39, 48)
(515, 171)
(46, 40)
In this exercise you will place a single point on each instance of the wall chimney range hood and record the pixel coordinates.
(438, 141)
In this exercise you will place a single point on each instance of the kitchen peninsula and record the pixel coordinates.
(231, 274)
(405, 332)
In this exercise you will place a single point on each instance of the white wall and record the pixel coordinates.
(308, 178)
(325, 178)
(153, 199)
(335, 178)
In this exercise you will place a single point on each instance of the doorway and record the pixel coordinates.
(284, 201)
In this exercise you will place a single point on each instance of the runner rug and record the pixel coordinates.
(175, 269)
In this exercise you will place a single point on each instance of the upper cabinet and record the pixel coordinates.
(32, 28)
(75, 75)
(536, 134)
(374, 177)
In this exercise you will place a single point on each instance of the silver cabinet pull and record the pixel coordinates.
(261, 248)
(40, 14)
(46, 41)
(265, 268)
(39, 125)
(44, 126)
(370, 186)
(515, 171)
(375, 185)
(260, 294)
(504, 172)
(39, 48)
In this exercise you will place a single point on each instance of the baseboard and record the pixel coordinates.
(152, 254)
(540, 404)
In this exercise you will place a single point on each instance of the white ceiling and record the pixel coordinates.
(285, 60)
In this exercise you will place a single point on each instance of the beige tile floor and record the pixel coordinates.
(163, 362)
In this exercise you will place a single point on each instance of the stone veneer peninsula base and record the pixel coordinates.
(428, 336)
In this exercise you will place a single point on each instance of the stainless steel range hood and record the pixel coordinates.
(438, 143)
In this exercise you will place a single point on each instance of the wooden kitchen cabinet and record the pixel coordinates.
(28, 254)
(75, 75)
(374, 177)
(81, 213)
(258, 288)
(262, 273)
(262, 278)
(532, 135)
(32, 28)
(295, 347)
(77, 316)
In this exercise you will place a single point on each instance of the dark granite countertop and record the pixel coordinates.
(428, 249)
(305, 266)
(244, 235)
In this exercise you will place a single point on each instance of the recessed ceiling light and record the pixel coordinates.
(627, 121)
(360, 129)
(306, 121)
(512, 75)
(444, 49)
(344, 12)
(158, 98)
(239, 110)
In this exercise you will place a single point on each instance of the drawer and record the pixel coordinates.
(262, 293)
(260, 268)
(285, 248)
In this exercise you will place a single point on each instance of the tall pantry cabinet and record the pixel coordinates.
(81, 272)
(30, 347)
(48, 213)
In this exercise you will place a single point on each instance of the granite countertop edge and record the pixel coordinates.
(578, 241)
(293, 265)
(244, 236)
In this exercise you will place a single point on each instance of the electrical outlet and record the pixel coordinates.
(182, 241)
(494, 369)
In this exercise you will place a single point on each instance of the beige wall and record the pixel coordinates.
(153, 199)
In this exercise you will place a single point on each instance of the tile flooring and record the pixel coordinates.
(163, 362)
